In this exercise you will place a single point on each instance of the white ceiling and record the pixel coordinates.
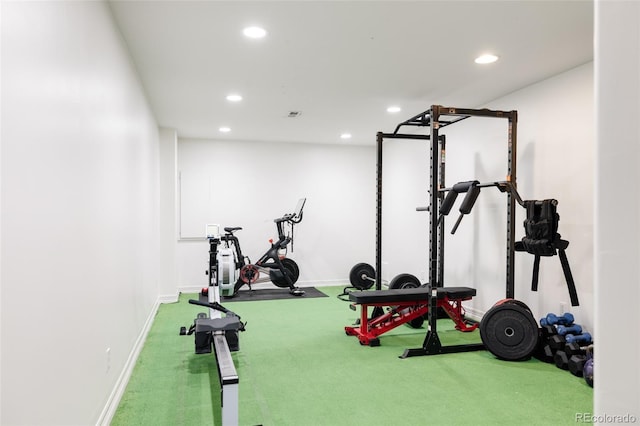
(341, 63)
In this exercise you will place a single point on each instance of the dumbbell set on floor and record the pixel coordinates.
(566, 344)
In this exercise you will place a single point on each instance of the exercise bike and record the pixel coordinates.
(232, 269)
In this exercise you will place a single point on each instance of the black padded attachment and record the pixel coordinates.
(467, 204)
(447, 203)
(450, 199)
(470, 198)
(542, 239)
(232, 229)
(461, 187)
(419, 294)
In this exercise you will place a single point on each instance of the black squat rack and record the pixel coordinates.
(436, 118)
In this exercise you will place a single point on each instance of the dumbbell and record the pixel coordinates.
(557, 342)
(553, 319)
(574, 348)
(569, 329)
(588, 371)
(544, 352)
(577, 355)
(548, 331)
(576, 364)
(578, 338)
(561, 359)
(571, 357)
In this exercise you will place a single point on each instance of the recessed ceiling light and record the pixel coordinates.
(234, 98)
(345, 136)
(225, 129)
(393, 109)
(254, 32)
(486, 59)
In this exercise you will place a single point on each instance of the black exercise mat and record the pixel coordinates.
(273, 294)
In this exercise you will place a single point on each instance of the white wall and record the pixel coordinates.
(79, 211)
(555, 160)
(168, 158)
(249, 184)
(617, 210)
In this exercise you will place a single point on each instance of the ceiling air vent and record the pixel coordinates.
(294, 114)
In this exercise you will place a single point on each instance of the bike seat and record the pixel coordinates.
(232, 229)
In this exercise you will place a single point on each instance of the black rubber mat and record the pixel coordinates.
(273, 294)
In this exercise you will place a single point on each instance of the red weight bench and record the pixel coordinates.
(405, 305)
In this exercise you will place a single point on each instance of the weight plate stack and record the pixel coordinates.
(509, 331)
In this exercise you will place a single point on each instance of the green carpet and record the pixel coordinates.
(298, 367)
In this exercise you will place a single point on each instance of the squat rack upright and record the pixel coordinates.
(436, 118)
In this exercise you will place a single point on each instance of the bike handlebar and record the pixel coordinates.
(285, 218)
(295, 217)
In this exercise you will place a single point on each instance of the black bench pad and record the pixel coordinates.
(419, 294)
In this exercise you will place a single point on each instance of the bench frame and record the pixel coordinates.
(403, 310)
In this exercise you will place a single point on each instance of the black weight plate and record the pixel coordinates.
(359, 271)
(417, 322)
(515, 302)
(407, 281)
(509, 331)
(404, 281)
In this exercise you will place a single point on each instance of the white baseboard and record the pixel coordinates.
(121, 384)
(169, 298)
(324, 283)
(473, 314)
